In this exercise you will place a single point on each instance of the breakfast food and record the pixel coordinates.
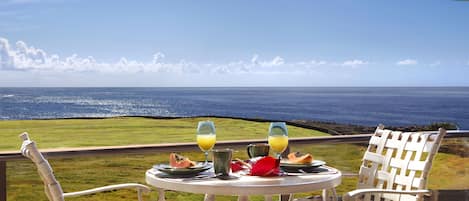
(178, 161)
(297, 157)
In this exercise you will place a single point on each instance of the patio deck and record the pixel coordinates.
(438, 195)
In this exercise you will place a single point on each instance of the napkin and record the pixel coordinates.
(266, 167)
(236, 166)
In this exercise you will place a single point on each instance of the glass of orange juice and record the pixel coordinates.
(206, 137)
(278, 137)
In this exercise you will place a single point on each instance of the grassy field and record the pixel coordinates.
(449, 171)
(126, 131)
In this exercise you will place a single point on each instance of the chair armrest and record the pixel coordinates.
(139, 187)
(350, 195)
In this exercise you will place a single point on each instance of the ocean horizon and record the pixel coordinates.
(393, 106)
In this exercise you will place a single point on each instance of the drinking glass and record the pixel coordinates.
(206, 137)
(222, 161)
(278, 137)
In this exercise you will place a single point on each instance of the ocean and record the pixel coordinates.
(396, 106)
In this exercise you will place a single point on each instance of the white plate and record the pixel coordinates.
(199, 167)
(314, 163)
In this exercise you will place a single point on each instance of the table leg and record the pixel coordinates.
(268, 197)
(325, 195)
(209, 197)
(161, 196)
(243, 198)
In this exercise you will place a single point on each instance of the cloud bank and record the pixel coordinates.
(22, 57)
(407, 62)
(354, 63)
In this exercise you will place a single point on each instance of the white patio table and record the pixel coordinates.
(245, 185)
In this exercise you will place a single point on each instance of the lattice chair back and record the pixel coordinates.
(398, 161)
(51, 186)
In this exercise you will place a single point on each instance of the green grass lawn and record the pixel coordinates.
(127, 131)
(448, 172)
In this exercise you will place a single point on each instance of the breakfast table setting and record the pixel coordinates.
(260, 174)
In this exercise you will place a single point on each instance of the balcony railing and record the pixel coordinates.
(6, 156)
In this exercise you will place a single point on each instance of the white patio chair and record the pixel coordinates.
(396, 165)
(52, 186)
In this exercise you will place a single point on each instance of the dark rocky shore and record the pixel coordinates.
(347, 129)
(332, 128)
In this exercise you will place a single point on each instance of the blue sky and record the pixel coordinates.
(233, 43)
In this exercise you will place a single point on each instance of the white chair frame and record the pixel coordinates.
(396, 166)
(52, 187)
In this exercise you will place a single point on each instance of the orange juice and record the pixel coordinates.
(278, 143)
(206, 142)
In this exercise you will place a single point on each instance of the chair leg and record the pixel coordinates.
(139, 194)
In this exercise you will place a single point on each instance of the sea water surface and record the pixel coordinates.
(353, 105)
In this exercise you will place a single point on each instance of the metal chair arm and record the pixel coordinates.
(352, 194)
(140, 189)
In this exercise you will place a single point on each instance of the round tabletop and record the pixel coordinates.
(246, 185)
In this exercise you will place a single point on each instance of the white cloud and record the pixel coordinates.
(23, 57)
(255, 59)
(354, 63)
(28, 58)
(6, 59)
(158, 57)
(407, 62)
(312, 63)
(276, 61)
